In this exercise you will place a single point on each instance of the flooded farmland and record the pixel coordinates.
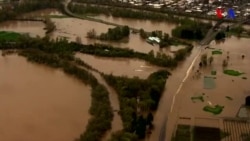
(72, 28)
(120, 66)
(38, 103)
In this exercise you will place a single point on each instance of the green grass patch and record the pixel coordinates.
(232, 72)
(194, 98)
(217, 109)
(214, 52)
(9, 36)
(229, 98)
(244, 77)
(183, 133)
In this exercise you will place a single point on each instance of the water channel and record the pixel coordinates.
(72, 28)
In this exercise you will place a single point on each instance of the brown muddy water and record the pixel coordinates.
(38, 103)
(72, 28)
(119, 66)
(225, 85)
(33, 28)
(147, 25)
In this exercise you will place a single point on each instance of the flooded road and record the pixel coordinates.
(224, 86)
(119, 66)
(38, 103)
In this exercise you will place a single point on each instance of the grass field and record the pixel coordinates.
(216, 52)
(232, 72)
(217, 109)
(9, 36)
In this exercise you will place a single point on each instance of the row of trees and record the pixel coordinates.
(163, 10)
(121, 12)
(60, 54)
(138, 96)
(159, 59)
(113, 34)
(11, 10)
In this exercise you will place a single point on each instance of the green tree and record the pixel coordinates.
(141, 127)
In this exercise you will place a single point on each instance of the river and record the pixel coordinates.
(38, 103)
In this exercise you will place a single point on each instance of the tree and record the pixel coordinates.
(165, 37)
(141, 127)
(220, 35)
(143, 34)
(211, 59)
(150, 118)
(151, 54)
(243, 56)
(224, 63)
(91, 34)
(247, 101)
(78, 40)
(125, 31)
(204, 59)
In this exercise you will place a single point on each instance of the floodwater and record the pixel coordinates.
(234, 87)
(71, 28)
(119, 66)
(33, 28)
(147, 25)
(38, 103)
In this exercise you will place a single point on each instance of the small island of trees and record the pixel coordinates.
(113, 34)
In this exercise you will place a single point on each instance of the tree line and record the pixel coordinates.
(148, 8)
(138, 97)
(12, 9)
(121, 12)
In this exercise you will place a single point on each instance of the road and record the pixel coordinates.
(173, 115)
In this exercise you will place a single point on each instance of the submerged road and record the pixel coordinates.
(173, 115)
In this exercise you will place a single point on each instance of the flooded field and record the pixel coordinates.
(147, 25)
(229, 91)
(119, 66)
(72, 28)
(38, 103)
(32, 28)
